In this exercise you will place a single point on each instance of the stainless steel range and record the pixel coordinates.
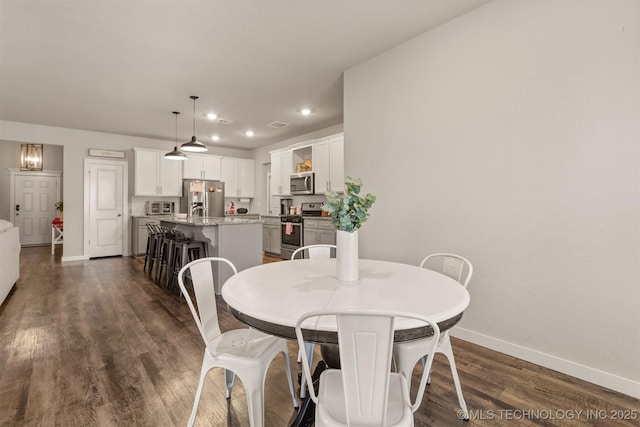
(292, 228)
(291, 232)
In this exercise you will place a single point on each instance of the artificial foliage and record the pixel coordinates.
(348, 211)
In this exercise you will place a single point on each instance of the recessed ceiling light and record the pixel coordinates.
(305, 111)
(249, 133)
(212, 116)
(215, 138)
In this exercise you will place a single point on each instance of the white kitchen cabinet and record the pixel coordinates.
(238, 177)
(318, 231)
(281, 170)
(155, 175)
(271, 235)
(202, 167)
(328, 164)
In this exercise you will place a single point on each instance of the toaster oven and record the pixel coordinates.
(160, 208)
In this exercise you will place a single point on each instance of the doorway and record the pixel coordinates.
(106, 220)
(33, 196)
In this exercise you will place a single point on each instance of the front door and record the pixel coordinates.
(34, 208)
(105, 209)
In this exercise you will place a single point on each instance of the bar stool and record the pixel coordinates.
(184, 251)
(165, 243)
(178, 236)
(156, 247)
(152, 231)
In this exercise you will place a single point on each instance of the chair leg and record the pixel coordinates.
(229, 379)
(206, 366)
(253, 384)
(405, 362)
(287, 364)
(308, 348)
(146, 254)
(445, 348)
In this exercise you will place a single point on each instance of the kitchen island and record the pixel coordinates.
(236, 239)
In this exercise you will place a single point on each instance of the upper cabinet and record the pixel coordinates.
(238, 177)
(281, 170)
(328, 164)
(202, 167)
(327, 159)
(155, 175)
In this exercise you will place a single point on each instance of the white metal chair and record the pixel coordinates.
(319, 251)
(364, 391)
(407, 354)
(246, 353)
(314, 251)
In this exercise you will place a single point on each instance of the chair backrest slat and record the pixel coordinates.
(452, 265)
(315, 251)
(202, 279)
(365, 340)
(365, 360)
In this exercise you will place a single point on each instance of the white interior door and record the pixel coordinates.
(105, 209)
(34, 207)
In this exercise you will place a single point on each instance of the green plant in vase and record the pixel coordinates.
(348, 211)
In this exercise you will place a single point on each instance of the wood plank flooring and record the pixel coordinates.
(96, 343)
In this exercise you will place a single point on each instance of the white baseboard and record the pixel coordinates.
(74, 258)
(586, 373)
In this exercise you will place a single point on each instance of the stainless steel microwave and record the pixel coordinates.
(303, 183)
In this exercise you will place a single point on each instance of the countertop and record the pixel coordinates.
(241, 215)
(206, 221)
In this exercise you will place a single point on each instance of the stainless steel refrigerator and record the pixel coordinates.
(202, 198)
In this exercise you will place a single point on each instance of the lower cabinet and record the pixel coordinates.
(140, 234)
(271, 238)
(318, 231)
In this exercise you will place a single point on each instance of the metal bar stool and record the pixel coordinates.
(178, 236)
(152, 230)
(185, 251)
(164, 244)
(155, 247)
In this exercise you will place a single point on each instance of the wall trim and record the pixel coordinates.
(74, 258)
(586, 373)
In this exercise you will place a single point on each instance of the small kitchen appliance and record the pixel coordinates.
(159, 208)
(302, 183)
(285, 204)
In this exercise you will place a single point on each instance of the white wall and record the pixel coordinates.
(511, 136)
(76, 144)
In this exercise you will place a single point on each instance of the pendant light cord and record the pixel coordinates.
(176, 113)
(194, 114)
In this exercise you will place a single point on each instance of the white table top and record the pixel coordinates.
(272, 296)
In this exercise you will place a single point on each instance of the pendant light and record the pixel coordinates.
(194, 145)
(176, 154)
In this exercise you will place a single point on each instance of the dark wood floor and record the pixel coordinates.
(97, 343)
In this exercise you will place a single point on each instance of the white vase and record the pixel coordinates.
(347, 256)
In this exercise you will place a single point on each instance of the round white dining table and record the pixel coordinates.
(271, 297)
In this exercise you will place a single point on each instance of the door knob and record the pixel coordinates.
(119, 214)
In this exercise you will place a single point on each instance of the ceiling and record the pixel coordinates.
(123, 66)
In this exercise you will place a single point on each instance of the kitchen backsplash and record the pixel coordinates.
(237, 203)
